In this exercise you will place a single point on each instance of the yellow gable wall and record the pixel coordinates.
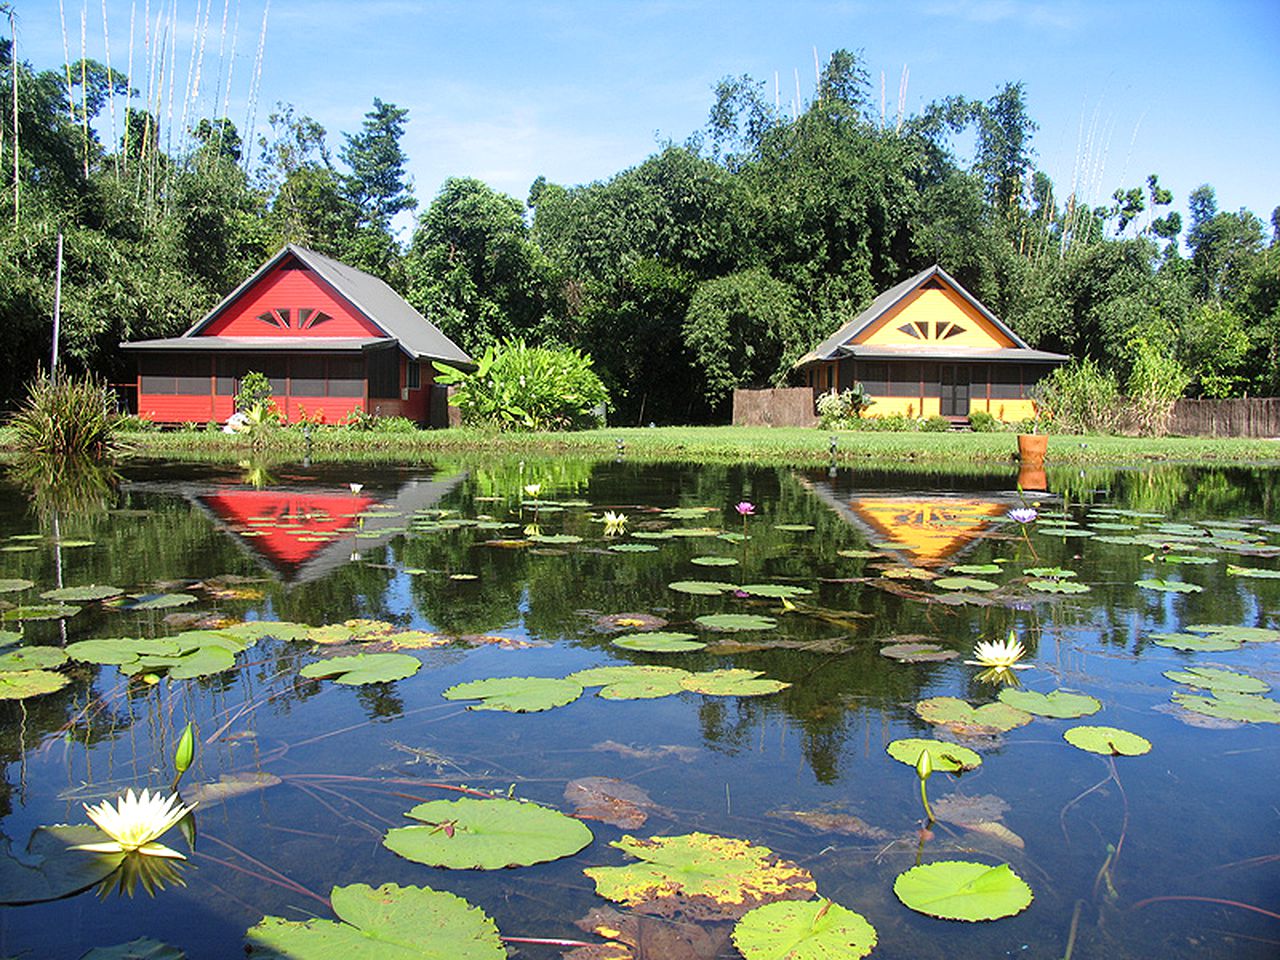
(935, 307)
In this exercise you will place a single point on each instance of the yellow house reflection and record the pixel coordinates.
(930, 529)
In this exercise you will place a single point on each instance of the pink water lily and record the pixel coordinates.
(746, 508)
(1023, 514)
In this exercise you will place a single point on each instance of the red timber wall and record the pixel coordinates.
(290, 301)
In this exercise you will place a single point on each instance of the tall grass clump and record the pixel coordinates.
(519, 387)
(1080, 398)
(65, 416)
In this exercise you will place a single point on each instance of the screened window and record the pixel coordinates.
(904, 380)
(413, 376)
(1006, 382)
(176, 374)
(384, 374)
(874, 377)
(306, 377)
(346, 378)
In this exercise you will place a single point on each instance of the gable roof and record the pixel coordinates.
(841, 343)
(377, 302)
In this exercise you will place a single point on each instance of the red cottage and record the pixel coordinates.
(331, 339)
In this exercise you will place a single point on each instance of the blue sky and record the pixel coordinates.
(578, 91)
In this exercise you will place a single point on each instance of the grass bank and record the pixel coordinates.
(766, 445)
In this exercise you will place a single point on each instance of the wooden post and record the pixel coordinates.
(57, 307)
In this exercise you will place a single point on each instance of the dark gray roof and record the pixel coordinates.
(831, 347)
(996, 355)
(418, 337)
(263, 344)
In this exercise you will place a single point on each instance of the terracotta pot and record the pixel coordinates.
(1032, 446)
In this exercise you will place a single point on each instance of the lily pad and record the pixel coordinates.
(470, 834)
(40, 611)
(918, 652)
(794, 527)
(1229, 705)
(364, 668)
(1236, 632)
(9, 637)
(279, 629)
(1169, 586)
(1191, 641)
(633, 548)
(812, 930)
(976, 568)
(1058, 703)
(965, 583)
(631, 681)
(1058, 586)
(659, 642)
(853, 554)
(390, 921)
(962, 717)
(50, 869)
(21, 684)
(1187, 559)
(32, 658)
(162, 601)
(14, 584)
(947, 757)
(775, 591)
(1257, 573)
(963, 890)
(144, 948)
(701, 876)
(702, 588)
(516, 694)
(1216, 679)
(715, 561)
(1108, 741)
(92, 592)
(736, 622)
(732, 683)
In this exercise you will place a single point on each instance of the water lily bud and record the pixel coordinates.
(186, 751)
(924, 765)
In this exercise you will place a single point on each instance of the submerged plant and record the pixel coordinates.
(135, 823)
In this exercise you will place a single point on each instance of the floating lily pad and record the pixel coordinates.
(794, 930)
(50, 868)
(32, 658)
(1229, 705)
(21, 684)
(1216, 679)
(715, 561)
(687, 513)
(736, 622)
(853, 554)
(633, 548)
(1057, 586)
(611, 622)
(279, 629)
(1187, 559)
(92, 592)
(962, 717)
(18, 548)
(388, 921)
(976, 568)
(1257, 573)
(8, 637)
(732, 683)
(143, 948)
(1236, 632)
(1048, 573)
(470, 834)
(121, 650)
(1058, 703)
(332, 634)
(700, 876)
(1191, 641)
(777, 591)
(947, 757)
(516, 694)
(14, 584)
(918, 652)
(364, 668)
(1169, 586)
(651, 534)
(1108, 741)
(161, 601)
(632, 682)
(659, 642)
(794, 527)
(965, 583)
(704, 588)
(963, 890)
(40, 611)
(555, 538)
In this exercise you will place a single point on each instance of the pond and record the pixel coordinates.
(848, 602)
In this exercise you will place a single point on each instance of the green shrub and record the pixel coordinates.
(1156, 381)
(892, 423)
(1078, 398)
(839, 410)
(518, 387)
(255, 390)
(935, 424)
(980, 421)
(67, 416)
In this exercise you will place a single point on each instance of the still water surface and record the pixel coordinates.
(444, 549)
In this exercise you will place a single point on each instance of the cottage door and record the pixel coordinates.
(955, 390)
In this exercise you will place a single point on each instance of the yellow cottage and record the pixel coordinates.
(928, 347)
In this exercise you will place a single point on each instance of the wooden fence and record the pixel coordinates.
(1250, 417)
(779, 407)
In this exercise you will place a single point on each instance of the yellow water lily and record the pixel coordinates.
(999, 654)
(136, 822)
(614, 523)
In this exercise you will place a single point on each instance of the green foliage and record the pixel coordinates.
(519, 387)
(980, 421)
(1079, 397)
(65, 416)
(935, 424)
(255, 391)
(1156, 381)
(839, 409)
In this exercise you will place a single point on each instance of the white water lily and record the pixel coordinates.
(532, 489)
(614, 522)
(999, 654)
(136, 822)
(356, 487)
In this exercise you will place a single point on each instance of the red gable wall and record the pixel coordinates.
(292, 290)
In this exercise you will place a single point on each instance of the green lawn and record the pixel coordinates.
(771, 445)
